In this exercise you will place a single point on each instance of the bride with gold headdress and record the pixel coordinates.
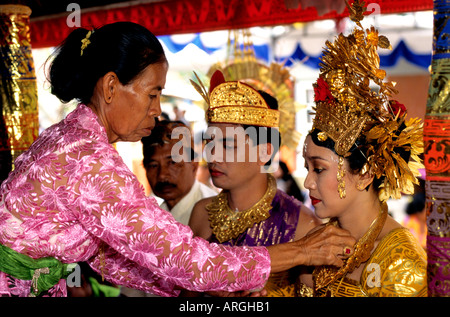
(361, 151)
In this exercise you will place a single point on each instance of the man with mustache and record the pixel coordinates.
(173, 178)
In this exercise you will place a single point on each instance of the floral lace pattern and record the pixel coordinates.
(71, 192)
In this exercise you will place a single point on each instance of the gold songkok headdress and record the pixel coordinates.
(349, 111)
(236, 102)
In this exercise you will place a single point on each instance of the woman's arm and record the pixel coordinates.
(111, 204)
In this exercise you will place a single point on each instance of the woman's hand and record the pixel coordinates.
(325, 245)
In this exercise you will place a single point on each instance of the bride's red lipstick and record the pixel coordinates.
(314, 200)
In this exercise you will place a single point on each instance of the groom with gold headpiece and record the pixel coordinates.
(242, 139)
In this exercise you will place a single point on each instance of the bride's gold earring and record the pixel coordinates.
(340, 178)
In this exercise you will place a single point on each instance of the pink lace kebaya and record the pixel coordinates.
(71, 194)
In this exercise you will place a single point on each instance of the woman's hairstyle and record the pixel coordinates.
(358, 153)
(124, 48)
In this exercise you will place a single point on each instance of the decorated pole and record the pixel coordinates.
(437, 160)
(19, 124)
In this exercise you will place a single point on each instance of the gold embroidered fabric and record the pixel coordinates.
(397, 268)
(227, 224)
(302, 290)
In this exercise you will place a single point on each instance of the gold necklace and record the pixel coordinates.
(326, 275)
(227, 224)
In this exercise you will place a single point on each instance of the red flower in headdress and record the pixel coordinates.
(397, 107)
(322, 91)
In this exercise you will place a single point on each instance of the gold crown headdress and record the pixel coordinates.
(347, 108)
(86, 41)
(236, 102)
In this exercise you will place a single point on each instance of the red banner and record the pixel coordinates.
(193, 16)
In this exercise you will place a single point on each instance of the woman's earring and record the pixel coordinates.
(360, 186)
(340, 178)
